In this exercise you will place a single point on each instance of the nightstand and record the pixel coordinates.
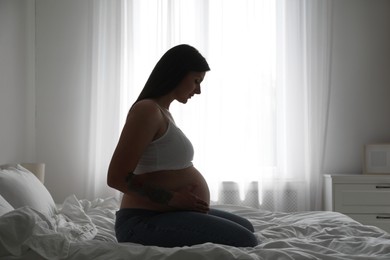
(365, 198)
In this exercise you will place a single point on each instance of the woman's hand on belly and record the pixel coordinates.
(185, 199)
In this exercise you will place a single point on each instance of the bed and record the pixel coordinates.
(33, 227)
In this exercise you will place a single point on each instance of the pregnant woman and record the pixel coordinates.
(165, 198)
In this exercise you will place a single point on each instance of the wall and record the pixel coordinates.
(360, 83)
(58, 134)
(62, 99)
(17, 102)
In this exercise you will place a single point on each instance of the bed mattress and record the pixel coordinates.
(83, 229)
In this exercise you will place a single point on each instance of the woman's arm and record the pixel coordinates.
(155, 194)
(142, 125)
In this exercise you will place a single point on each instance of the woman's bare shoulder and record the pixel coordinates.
(146, 109)
(145, 104)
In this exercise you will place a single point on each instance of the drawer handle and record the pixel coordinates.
(382, 217)
(382, 186)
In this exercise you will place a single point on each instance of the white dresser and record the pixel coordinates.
(365, 198)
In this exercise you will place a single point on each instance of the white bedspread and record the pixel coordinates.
(85, 230)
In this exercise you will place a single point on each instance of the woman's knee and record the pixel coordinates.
(245, 239)
(251, 241)
(233, 217)
(249, 226)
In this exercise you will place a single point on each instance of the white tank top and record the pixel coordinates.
(172, 151)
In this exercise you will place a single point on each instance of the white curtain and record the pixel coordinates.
(106, 41)
(259, 126)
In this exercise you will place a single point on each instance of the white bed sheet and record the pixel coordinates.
(85, 230)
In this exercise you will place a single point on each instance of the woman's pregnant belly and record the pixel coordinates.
(169, 180)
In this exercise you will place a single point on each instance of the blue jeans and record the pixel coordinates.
(183, 228)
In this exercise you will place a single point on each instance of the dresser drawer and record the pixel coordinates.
(362, 198)
(380, 220)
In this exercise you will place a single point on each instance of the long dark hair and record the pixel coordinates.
(172, 67)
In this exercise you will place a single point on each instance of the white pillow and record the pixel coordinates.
(5, 207)
(21, 188)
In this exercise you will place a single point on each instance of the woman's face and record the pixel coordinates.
(189, 86)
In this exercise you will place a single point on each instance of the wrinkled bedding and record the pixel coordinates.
(84, 229)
